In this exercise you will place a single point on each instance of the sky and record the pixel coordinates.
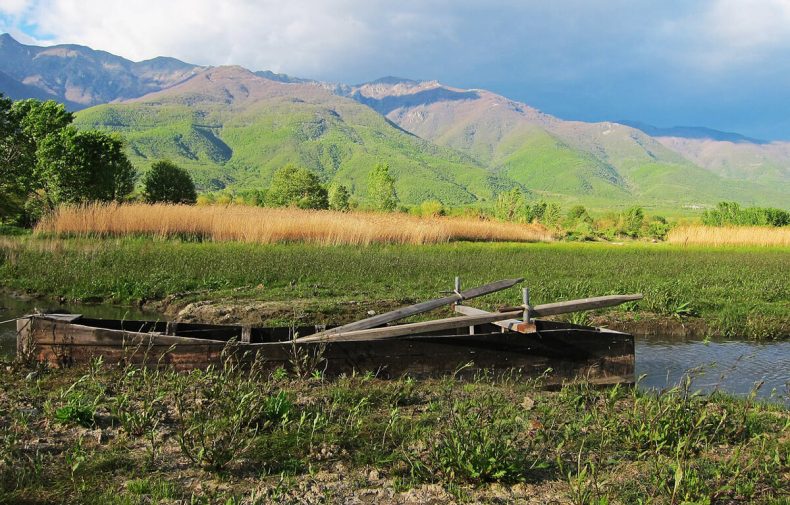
(723, 64)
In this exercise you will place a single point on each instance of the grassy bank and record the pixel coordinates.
(118, 435)
(732, 291)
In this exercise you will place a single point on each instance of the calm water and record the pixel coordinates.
(731, 366)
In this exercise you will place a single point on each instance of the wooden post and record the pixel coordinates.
(527, 308)
(171, 327)
(457, 289)
(246, 334)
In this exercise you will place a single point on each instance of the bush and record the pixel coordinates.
(339, 198)
(731, 213)
(431, 208)
(658, 228)
(297, 187)
(168, 183)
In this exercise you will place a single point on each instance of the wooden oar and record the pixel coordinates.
(598, 302)
(419, 308)
(402, 330)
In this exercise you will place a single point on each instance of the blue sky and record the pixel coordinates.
(718, 63)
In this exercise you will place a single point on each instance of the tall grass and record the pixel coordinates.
(265, 226)
(730, 235)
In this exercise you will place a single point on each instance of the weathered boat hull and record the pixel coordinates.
(569, 351)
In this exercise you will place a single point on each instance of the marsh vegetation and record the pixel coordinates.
(108, 433)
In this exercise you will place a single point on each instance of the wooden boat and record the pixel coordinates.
(508, 340)
(568, 351)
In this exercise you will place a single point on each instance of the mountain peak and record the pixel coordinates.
(390, 79)
(7, 39)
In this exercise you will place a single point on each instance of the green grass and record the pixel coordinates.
(329, 441)
(734, 291)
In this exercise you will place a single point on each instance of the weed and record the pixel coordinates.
(221, 410)
(481, 440)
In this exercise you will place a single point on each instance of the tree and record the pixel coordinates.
(23, 127)
(297, 187)
(633, 220)
(168, 183)
(339, 198)
(381, 189)
(10, 155)
(509, 205)
(78, 166)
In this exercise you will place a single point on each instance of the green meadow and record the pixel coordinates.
(738, 292)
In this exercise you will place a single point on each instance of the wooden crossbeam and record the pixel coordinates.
(419, 308)
(507, 324)
(598, 302)
(402, 330)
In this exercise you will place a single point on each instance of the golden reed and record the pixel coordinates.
(266, 226)
(730, 235)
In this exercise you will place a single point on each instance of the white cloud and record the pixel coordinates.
(730, 35)
(299, 36)
(750, 24)
(13, 7)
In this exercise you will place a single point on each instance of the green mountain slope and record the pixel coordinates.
(229, 126)
(594, 163)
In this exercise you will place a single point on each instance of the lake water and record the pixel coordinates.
(733, 366)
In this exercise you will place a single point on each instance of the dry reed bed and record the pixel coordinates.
(265, 226)
(730, 236)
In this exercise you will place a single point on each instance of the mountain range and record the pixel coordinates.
(232, 127)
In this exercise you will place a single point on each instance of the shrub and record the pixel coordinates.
(339, 198)
(297, 187)
(431, 208)
(731, 213)
(168, 183)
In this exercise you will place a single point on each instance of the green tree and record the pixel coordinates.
(78, 166)
(339, 198)
(381, 189)
(10, 156)
(297, 187)
(168, 183)
(23, 127)
(509, 205)
(552, 214)
(579, 213)
(633, 220)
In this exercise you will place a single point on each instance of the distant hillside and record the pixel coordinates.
(79, 76)
(730, 155)
(690, 132)
(232, 127)
(572, 160)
